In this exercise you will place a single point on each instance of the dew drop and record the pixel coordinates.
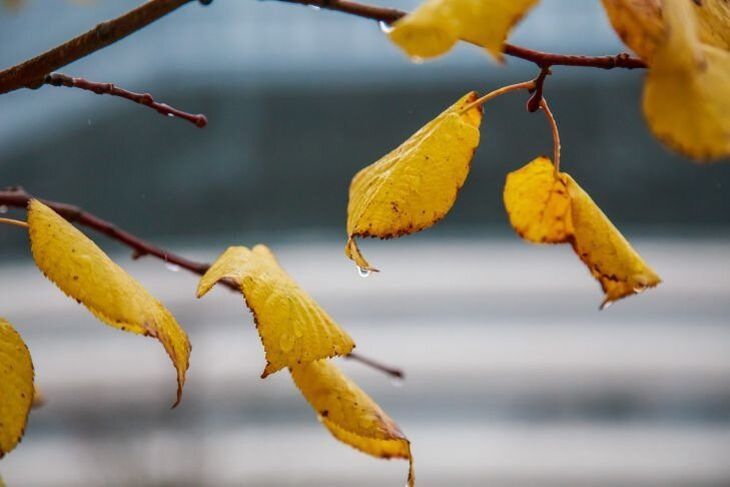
(363, 272)
(606, 305)
(417, 60)
(3, 208)
(172, 267)
(171, 115)
(385, 27)
(396, 382)
(315, 7)
(320, 418)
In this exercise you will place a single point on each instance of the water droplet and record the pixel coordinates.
(170, 115)
(286, 343)
(320, 418)
(3, 208)
(385, 27)
(172, 267)
(606, 305)
(396, 382)
(417, 59)
(639, 289)
(363, 272)
(315, 7)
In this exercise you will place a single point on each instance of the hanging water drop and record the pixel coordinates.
(172, 267)
(315, 7)
(397, 382)
(385, 27)
(3, 208)
(417, 60)
(606, 305)
(363, 272)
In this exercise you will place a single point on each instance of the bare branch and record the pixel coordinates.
(17, 197)
(60, 79)
(31, 73)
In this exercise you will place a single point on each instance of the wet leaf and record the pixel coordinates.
(84, 272)
(436, 25)
(415, 185)
(350, 414)
(687, 92)
(16, 387)
(294, 329)
(535, 198)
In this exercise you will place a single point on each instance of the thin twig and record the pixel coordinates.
(13, 222)
(542, 59)
(18, 198)
(60, 79)
(31, 73)
(556, 133)
(525, 85)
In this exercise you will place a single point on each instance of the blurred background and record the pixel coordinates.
(513, 376)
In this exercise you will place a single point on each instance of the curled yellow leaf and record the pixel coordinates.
(293, 328)
(84, 272)
(687, 92)
(350, 414)
(415, 185)
(549, 207)
(16, 387)
(436, 25)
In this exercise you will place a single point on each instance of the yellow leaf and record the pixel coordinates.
(16, 387)
(637, 22)
(436, 25)
(349, 414)
(687, 92)
(713, 22)
(536, 198)
(537, 203)
(84, 272)
(294, 329)
(415, 185)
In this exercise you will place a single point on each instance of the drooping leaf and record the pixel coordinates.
(436, 25)
(294, 329)
(16, 387)
(415, 185)
(349, 413)
(638, 23)
(535, 197)
(84, 272)
(687, 92)
(538, 203)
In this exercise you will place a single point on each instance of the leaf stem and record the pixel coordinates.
(525, 85)
(556, 133)
(16, 223)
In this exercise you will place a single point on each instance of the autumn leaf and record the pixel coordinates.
(549, 207)
(687, 92)
(294, 329)
(415, 185)
(350, 414)
(637, 22)
(84, 272)
(16, 387)
(436, 25)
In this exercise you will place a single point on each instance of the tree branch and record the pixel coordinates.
(17, 197)
(60, 79)
(542, 59)
(31, 73)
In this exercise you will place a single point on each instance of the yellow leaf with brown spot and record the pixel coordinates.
(84, 272)
(436, 25)
(538, 203)
(638, 23)
(16, 387)
(294, 329)
(549, 207)
(350, 414)
(415, 185)
(687, 92)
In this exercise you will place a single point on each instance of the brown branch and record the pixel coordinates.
(17, 197)
(31, 73)
(60, 79)
(542, 59)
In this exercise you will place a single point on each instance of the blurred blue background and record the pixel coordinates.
(513, 376)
